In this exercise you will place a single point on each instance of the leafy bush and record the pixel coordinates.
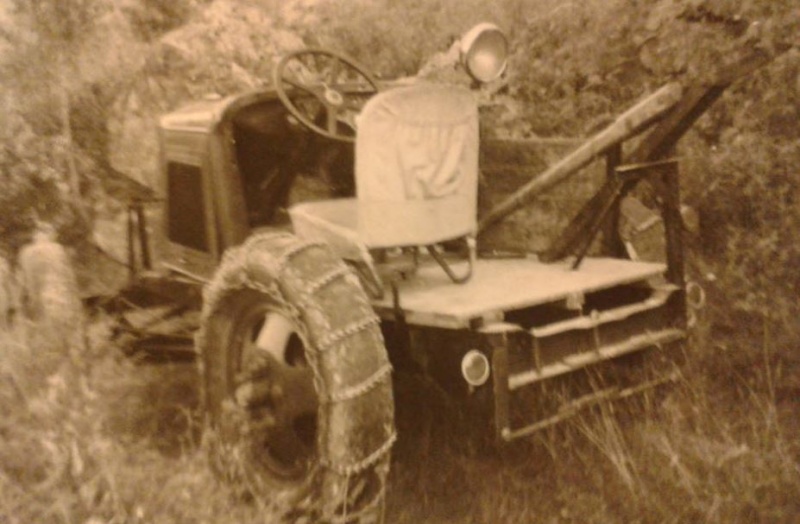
(35, 187)
(152, 18)
(749, 191)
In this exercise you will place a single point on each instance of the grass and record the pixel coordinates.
(95, 438)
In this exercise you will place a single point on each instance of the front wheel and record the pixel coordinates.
(297, 382)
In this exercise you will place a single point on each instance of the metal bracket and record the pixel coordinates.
(471, 256)
(574, 407)
(620, 184)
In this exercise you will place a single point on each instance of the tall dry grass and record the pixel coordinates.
(92, 438)
(722, 447)
(101, 439)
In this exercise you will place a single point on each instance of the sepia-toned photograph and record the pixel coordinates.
(399, 261)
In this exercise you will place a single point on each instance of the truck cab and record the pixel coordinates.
(234, 165)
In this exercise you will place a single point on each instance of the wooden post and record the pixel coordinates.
(612, 243)
(673, 231)
(144, 244)
(502, 397)
(499, 338)
(131, 243)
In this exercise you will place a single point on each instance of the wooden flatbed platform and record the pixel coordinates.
(429, 298)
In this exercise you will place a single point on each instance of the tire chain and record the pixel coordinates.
(212, 295)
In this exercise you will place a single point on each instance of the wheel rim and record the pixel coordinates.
(274, 385)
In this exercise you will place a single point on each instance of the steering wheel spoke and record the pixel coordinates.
(333, 119)
(315, 90)
(353, 104)
(333, 72)
(329, 86)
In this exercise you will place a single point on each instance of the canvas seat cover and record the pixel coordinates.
(417, 165)
(416, 173)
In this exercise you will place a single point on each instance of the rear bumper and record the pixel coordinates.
(548, 408)
(543, 375)
(551, 359)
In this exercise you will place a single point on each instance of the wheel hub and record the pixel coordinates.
(276, 391)
(333, 97)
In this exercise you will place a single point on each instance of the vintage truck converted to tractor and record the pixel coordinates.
(332, 217)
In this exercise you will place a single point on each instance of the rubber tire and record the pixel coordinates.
(352, 378)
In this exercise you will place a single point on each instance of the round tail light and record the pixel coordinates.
(475, 368)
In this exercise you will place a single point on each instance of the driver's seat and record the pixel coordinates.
(416, 177)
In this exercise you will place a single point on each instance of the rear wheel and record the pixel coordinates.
(297, 382)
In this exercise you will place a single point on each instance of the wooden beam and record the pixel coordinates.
(612, 242)
(627, 125)
(673, 228)
(696, 101)
(661, 140)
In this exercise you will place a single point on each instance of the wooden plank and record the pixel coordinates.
(627, 125)
(658, 143)
(430, 298)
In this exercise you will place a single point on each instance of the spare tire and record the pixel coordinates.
(297, 382)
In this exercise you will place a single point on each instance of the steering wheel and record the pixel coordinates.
(337, 82)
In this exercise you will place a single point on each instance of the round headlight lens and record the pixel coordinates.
(484, 52)
(475, 368)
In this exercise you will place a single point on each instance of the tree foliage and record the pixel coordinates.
(152, 18)
(64, 64)
(34, 188)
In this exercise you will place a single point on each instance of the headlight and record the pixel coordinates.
(484, 52)
(475, 368)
